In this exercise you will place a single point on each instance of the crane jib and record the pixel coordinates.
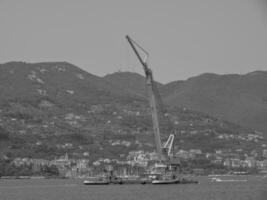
(151, 94)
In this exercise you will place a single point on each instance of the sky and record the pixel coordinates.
(184, 37)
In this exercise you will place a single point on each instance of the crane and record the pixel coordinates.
(163, 151)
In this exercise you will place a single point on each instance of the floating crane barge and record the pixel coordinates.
(164, 152)
(167, 165)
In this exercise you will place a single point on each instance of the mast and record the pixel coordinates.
(151, 95)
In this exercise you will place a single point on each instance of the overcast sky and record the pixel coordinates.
(184, 37)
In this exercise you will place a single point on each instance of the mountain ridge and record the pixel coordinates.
(48, 109)
(233, 97)
(240, 98)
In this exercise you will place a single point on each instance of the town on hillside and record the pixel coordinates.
(193, 161)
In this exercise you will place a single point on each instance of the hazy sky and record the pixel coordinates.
(184, 37)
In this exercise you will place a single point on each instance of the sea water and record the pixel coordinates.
(73, 189)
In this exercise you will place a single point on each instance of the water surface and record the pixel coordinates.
(56, 189)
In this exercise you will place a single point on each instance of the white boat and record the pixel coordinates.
(171, 181)
(215, 179)
(174, 181)
(95, 182)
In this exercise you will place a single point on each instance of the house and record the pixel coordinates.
(265, 164)
(218, 151)
(217, 160)
(227, 162)
(62, 162)
(235, 163)
(264, 153)
(251, 162)
(183, 154)
(195, 151)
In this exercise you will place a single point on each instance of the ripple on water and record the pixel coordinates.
(56, 189)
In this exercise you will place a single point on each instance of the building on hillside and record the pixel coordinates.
(183, 154)
(21, 161)
(251, 162)
(62, 163)
(82, 164)
(264, 153)
(210, 156)
(235, 163)
(218, 160)
(265, 164)
(195, 151)
(227, 163)
(219, 151)
(260, 164)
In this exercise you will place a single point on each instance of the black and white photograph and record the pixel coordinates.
(133, 100)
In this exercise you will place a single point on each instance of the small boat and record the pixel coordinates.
(227, 180)
(174, 181)
(95, 182)
(166, 181)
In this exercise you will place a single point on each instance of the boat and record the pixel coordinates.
(96, 182)
(162, 181)
(218, 180)
(174, 181)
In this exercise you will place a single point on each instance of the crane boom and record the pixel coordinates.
(151, 94)
(168, 145)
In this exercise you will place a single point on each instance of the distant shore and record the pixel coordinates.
(32, 177)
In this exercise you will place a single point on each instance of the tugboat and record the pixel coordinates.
(88, 182)
(96, 181)
(171, 181)
(164, 181)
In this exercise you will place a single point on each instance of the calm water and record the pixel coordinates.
(255, 188)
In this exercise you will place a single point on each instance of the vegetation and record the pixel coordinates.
(7, 168)
(48, 109)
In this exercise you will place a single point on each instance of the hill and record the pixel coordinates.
(237, 98)
(52, 103)
(57, 81)
(48, 109)
(241, 99)
(134, 83)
